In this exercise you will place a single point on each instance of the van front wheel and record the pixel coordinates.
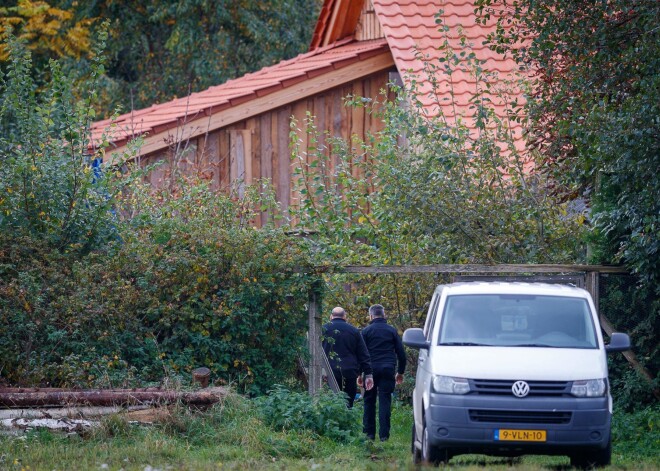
(593, 458)
(431, 454)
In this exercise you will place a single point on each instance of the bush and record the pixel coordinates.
(177, 293)
(637, 434)
(51, 186)
(105, 282)
(325, 414)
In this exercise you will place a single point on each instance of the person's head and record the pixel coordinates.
(338, 313)
(376, 311)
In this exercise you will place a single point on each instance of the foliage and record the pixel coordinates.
(189, 285)
(325, 414)
(595, 112)
(168, 48)
(232, 435)
(49, 185)
(112, 284)
(50, 32)
(636, 311)
(428, 190)
(637, 434)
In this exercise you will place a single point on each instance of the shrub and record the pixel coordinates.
(51, 186)
(194, 288)
(325, 414)
(637, 434)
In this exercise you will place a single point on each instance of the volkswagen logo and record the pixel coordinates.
(520, 389)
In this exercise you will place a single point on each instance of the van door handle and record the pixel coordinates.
(421, 359)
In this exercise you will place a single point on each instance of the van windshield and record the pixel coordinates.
(518, 321)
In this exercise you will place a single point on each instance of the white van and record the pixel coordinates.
(510, 369)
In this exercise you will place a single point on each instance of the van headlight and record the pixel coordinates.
(449, 385)
(589, 388)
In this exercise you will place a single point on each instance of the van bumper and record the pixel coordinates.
(471, 423)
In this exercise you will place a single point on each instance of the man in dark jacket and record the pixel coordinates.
(385, 348)
(347, 353)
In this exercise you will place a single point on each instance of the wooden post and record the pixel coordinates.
(314, 338)
(201, 376)
(591, 285)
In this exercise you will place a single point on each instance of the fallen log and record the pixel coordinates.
(62, 425)
(68, 412)
(44, 397)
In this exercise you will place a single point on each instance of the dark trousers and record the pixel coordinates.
(384, 383)
(347, 381)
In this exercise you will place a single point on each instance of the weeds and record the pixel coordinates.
(325, 415)
(240, 433)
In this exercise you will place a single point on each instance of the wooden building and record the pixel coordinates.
(239, 131)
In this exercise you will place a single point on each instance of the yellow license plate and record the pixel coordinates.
(509, 435)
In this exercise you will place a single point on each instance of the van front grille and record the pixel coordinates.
(520, 417)
(536, 388)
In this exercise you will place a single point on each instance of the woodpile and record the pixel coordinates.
(70, 410)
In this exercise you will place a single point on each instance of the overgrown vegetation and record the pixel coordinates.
(235, 435)
(429, 191)
(595, 113)
(199, 44)
(105, 283)
(325, 414)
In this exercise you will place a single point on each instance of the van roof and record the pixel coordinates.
(501, 287)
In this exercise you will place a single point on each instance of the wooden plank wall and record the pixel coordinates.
(368, 26)
(258, 148)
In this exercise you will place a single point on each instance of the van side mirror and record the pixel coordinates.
(618, 343)
(415, 338)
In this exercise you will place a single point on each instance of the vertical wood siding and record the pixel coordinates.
(368, 26)
(258, 148)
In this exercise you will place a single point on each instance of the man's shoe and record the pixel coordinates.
(384, 439)
(370, 437)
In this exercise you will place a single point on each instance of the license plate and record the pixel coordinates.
(519, 435)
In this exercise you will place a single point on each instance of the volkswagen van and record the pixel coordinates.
(509, 369)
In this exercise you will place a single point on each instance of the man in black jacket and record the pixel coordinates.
(385, 348)
(347, 353)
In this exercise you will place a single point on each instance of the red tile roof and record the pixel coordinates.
(168, 115)
(411, 32)
(411, 29)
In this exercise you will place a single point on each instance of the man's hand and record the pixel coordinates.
(399, 378)
(368, 383)
(359, 381)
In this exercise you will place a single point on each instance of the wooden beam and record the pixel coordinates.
(477, 268)
(351, 18)
(199, 126)
(314, 339)
(591, 282)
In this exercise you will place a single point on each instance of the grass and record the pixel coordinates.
(234, 436)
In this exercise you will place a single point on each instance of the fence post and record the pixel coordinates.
(314, 338)
(591, 284)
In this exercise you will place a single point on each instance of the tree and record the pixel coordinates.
(49, 32)
(51, 187)
(595, 112)
(164, 48)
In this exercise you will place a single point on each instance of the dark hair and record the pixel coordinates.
(377, 310)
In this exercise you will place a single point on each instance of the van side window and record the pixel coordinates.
(432, 316)
(429, 313)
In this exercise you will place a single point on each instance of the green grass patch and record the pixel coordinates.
(250, 434)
